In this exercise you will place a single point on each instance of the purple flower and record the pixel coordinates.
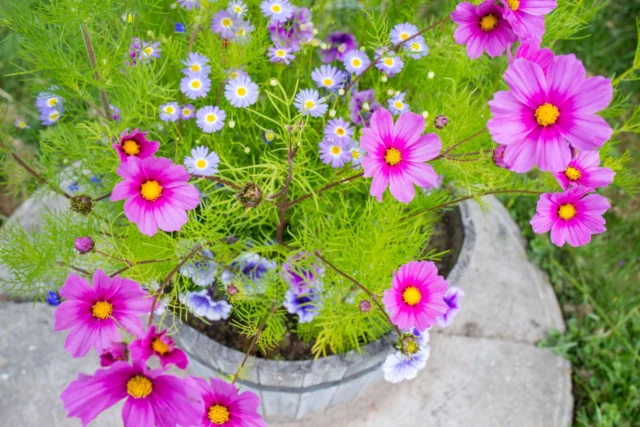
(397, 105)
(333, 152)
(236, 7)
(339, 130)
(202, 272)
(405, 364)
(308, 102)
(305, 306)
(118, 352)
(276, 10)
(160, 345)
(280, 54)
(389, 63)
(584, 170)
(339, 45)
(295, 31)
(189, 4)
(210, 119)
(530, 50)
(498, 157)
(328, 77)
(222, 23)
(47, 101)
(169, 112)
(242, 30)
(241, 92)
(187, 112)
(53, 299)
(357, 154)
(180, 28)
(302, 273)
(356, 61)
(202, 305)
(527, 16)
(135, 144)
(195, 85)
(417, 48)
(50, 116)
(115, 112)
(150, 50)
(361, 106)
(452, 299)
(21, 123)
(402, 32)
(254, 269)
(84, 244)
(196, 63)
(440, 121)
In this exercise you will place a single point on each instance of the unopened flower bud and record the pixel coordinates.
(315, 31)
(232, 289)
(250, 195)
(366, 106)
(332, 113)
(384, 79)
(232, 124)
(430, 74)
(341, 92)
(440, 121)
(84, 244)
(425, 114)
(82, 204)
(408, 344)
(364, 306)
(247, 150)
(391, 92)
(273, 82)
(323, 45)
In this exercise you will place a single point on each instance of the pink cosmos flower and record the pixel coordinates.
(530, 49)
(93, 313)
(157, 194)
(584, 170)
(225, 407)
(527, 16)
(416, 297)
(571, 216)
(482, 28)
(396, 155)
(543, 111)
(135, 144)
(117, 352)
(152, 398)
(158, 344)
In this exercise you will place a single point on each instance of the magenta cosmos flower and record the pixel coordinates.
(482, 28)
(571, 216)
(93, 313)
(158, 344)
(416, 297)
(396, 155)
(135, 144)
(157, 194)
(225, 407)
(152, 398)
(543, 111)
(527, 16)
(530, 49)
(584, 170)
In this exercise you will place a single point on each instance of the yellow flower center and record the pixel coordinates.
(186, 112)
(340, 131)
(488, 22)
(159, 346)
(392, 156)
(280, 53)
(233, 75)
(131, 147)
(195, 84)
(201, 164)
(237, 9)
(388, 62)
(276, 8)
(309, 104)
(210, 118)
(52, 102)
(101, 310)
(241, 32)
(241, 91)
(169, 109)
(226, 22)
(416, 47)
(151, 190)
(513, 4)
(356, 62)
(129, 18)
(547, 114)
(22, 125)
(567, 211)
(355, 154)
(398, 105)
(412, 347)
(148, 50)
(404, 36)
(139, 387)
(411, 295)
(327, 82)
(269, 136)
(572, 173)
(54, 116)
(195, 67)
(218, 414)
(335, 150)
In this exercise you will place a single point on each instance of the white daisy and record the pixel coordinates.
(202, 162)
(241, 92)
(210, 119)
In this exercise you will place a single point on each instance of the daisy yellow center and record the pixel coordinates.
(186, 112)
(404, 36)
(148, 50)
(22, 125)
(547, 114)
(276, 8)
(129, 18)
(392, 156)
(139, 387)
(218, 414)
(159, 346)
(241, 32)
(415, 47)
(237, 9)
(412, 347)
(169, 109)
(201, 164)
(309, 104)
(335, 150)
(513, 4)
(233, 75)
(356, 62)
(195, 84)
(411, 295)
(269, 136)
(398, 105)
(488, 22)
(131, 147)
(572, 173)
(280, 53)
(102, 309)
(54, 116)
(195, 67)
(388, 62)
(355, 154)
(241, 91)
(52, 102)
(340, 131)
(327, 82)
(567, 211)
(210, 118)
(151, 190)
(226, 22)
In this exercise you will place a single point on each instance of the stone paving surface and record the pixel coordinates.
(485, 370)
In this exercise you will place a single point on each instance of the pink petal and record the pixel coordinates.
(565, 76)
(124, 190)
(422, 174)
(401, 187)
(588, 132)
(465, 12)
(594, 95)
(136, 211)
(527, 82)
(425, 148)
(137, 413)
(81, 339)
(170, 218)
(408, 128)
(520, 155)
(382, 125)
(76, 287)
(71, 313)
(378, 185)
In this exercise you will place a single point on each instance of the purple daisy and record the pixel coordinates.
(328, 77)
(356, 61)
(202, 305)
(389, 63)
(305, 306)
(302, 272)
(584, 170)
(333, 152)
(295, 31)
(189, 4)
(397, 105)
(187, 112)
(237, 7)
(417, 48)
(308, 102)
(280, 54)
(241, 92)
(170, 112)
(339, 44)
(357, 154)
(196, 63)
(276, 10)
(361, 106)
(339, 129)
(401, 32)
(210, 119)
(195, 85)
(50, 116)
(222, 23)
(150, 50)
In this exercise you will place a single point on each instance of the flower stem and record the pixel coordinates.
(254, 341)
(192, 38)
(74, 268)
(284, 193)
(325, 188)
(131, 264)
(220, 181)
(102, 197)
(456, 145)
(92, 58)
(395, 47)
(462, 199)
(362, 287)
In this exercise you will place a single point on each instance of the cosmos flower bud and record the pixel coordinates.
(425, 114)
(250, 195)
(408, 344)
(366, 106)
(273, 82)
(232, 289)
(332, 113)
(232, 124)
(82, 204)
(384, 79)
(431, 75)
(440, 121)
(341, 92)
(84, 244)
(364, 306)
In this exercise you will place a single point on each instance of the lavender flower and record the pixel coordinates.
(47, 101)
(276, 10)
(202, 305)
(195, 85)
(301, 274)
(417, 47)
(115, 112)
(50, 116)
(21, 123)
(189, 4)
(253, 269)
(339, 129)
(356, 61)
(339, 45)
(361, 106)
(328, 77)
(305, 306)
(389, 63)
(210, 119)
(169, 112)
(405, 363)
(308, 102)
(222, 23)
(295, 31)
(402, 32)
(241, 92)
(357, 154)
(280, 54)
(237, 7)
(202, 272)
(335, 153)
(196, 63)
(397, 104)
(150, 50)
(452, 299)
(202, 163)
(242, 31)
(187, 112)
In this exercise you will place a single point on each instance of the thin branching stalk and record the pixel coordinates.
(462, 199)
(220, 181)
(192, 38)
(362, 287)
(102, 197)
(254, 341)
(133, 264)
(456, 145)
(283, 205)
(129, 263)
(92, 58)
(395, 47)
(325, 188)
(74, 268)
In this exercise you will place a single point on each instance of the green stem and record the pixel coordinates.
(92, 59)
